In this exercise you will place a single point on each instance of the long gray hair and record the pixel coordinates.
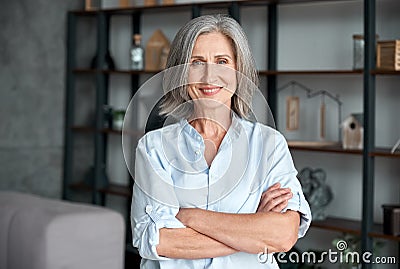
(176, 101)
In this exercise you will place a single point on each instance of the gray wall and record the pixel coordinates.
(32, 83)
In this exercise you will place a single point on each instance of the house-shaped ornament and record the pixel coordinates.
(353, 131)
(156, 51)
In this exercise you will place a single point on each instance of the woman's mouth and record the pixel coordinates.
(210, 90)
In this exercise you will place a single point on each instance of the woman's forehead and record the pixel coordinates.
(215, 42)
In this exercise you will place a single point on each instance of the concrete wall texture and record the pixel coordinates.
(32, 76)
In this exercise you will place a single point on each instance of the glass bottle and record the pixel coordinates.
(358, 52)
(137, 53)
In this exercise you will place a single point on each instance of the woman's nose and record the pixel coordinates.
(209, 73)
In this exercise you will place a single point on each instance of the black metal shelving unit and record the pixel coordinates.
(365, 228)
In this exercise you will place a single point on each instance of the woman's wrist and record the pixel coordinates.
(190, 217)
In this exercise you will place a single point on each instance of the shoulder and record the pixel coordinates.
(156, 138)
(264, 131)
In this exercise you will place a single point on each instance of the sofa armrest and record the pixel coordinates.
(45, 233)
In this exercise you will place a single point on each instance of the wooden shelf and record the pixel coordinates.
(351, 227)
(337, 148)
(378, 152)
(86, 129)
(338, 225)
(130, 72)
(83, 129)
(378, 233)
(160, 8)
(385, 72)
(185, 6)
(117, 189)
(84, 71)
(116, 71)
(119, 132)
(81, 186)
(310, 72)
(112, 188)
(385, 152)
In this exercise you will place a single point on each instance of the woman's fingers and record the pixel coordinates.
(280, 203)
(274, 199)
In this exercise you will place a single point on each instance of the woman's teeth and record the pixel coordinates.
(210, 90)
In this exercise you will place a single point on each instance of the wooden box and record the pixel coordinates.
(388, 55)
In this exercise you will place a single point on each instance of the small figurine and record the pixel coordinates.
(316, 191)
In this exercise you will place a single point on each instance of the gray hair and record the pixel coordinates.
(176, 101)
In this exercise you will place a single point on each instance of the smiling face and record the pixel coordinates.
(212, 75)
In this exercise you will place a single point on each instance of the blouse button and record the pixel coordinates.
(197, 152)
(149, 208)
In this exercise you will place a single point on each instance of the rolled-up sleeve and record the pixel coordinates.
(149, 212)
(284, 172)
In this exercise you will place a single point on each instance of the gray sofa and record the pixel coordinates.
(40, 233)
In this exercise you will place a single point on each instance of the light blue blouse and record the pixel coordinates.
(171, 172)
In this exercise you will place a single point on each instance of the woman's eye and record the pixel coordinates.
(197, 63)
(222, 61)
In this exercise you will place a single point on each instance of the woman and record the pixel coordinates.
(214, 189)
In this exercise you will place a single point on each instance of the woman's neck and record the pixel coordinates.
(212, 126)
(211, 123)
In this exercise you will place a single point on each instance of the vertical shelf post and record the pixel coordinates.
(234, 11)
(369, 127)
(136, 25)
(272, 95)
(69, 104)
(196, 11)
(99, 137)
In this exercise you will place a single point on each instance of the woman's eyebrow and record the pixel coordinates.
(223, 55)
(216, 56)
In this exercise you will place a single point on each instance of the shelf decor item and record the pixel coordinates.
(157, 43)
(350, 247)
(292, 113)
(150, 2)
(293, 107)
(316, 191)
(322, 118)
(391, 219)
(124, 3)
(92, 5)
(358, 52)
(388, 55)
(108, 116)
(396, 145)
(353, 131)
(137, 53)
(118, 119)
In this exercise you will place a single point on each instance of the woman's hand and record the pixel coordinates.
(274, 199)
